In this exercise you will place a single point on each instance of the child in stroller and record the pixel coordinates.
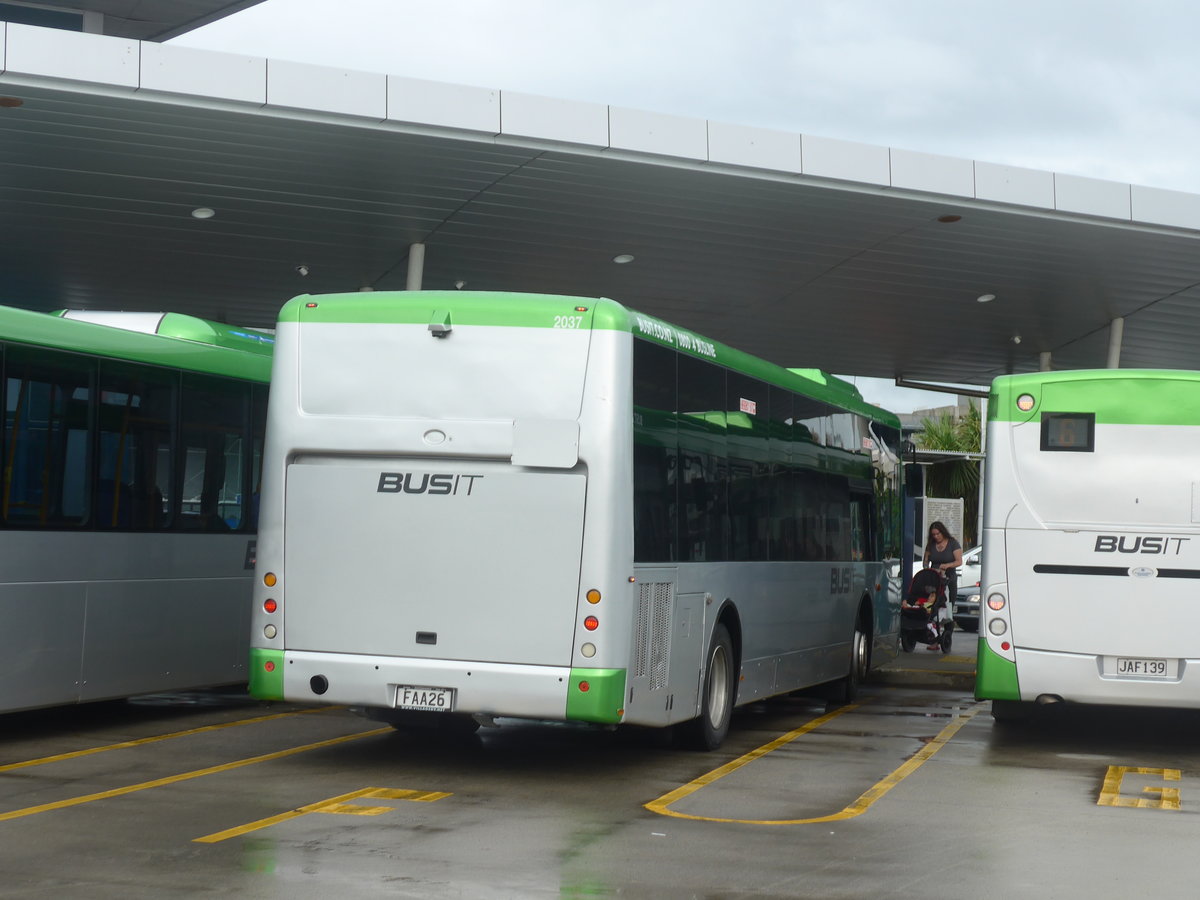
(921, 613)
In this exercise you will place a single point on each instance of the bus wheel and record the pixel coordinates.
(845, 690)
(716, 699)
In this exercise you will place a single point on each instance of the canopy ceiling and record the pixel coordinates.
(98, 182)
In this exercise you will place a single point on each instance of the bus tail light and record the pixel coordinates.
(996, 602)
(591, 623)
(270, 605)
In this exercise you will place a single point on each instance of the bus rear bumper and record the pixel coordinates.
(1081, 678)
(480, 688)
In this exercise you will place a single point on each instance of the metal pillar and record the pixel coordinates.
(1044, 361)
(1116, 331)
(416, 267)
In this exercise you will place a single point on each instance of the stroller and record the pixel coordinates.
(924, 622)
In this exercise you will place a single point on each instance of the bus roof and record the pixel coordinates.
(542, 311)
(178, 325)
(252, 362)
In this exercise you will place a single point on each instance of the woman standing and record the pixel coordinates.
(944, 553)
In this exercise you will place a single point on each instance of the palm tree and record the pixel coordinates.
(954, 478)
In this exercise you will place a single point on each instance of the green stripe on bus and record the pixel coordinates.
(1115, 396)
(995, 676)
(266, 674)
(604, 699)
(555, 312)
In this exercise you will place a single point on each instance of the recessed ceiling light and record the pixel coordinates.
(949, 219)
(622, 258)
(203, 212)
(985, 298)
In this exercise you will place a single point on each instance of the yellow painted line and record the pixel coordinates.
(338, 805)
(857, 808)
(1167, 798)
(76, 754)
(186, 776)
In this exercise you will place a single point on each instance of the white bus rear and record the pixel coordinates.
(1092, 522)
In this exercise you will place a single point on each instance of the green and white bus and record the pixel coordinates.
(126, 507)
(519, 505)
(1092, 524)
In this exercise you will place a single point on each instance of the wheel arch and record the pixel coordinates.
(728, 616)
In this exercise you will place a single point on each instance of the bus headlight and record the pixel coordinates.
(997, 626)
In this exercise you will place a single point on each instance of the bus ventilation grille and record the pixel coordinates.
(652, 653)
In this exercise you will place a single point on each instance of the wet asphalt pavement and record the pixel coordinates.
(911, 790)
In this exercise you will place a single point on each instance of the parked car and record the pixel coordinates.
(966, 604)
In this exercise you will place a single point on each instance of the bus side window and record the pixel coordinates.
(214, 440)
(136, 433)
(47, 470)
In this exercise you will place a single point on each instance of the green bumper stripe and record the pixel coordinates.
(995, 676)
(266, 674)
(604, 699)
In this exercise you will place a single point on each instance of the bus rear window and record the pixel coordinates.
(1069, 431)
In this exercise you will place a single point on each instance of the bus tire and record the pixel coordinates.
(845, 690)
(716, 696)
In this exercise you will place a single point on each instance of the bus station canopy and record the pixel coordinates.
(145, 176)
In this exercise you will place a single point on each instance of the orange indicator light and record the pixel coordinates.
(270, 606)
(593, 596)
(591, 623)
(269, 666)
(581, 309)
(310, 306)
(269, 579)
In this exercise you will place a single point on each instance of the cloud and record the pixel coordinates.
(1105, 88)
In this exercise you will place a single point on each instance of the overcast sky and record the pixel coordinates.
(1103, 88)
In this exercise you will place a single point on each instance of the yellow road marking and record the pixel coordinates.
(1110, 793)
(857, 808)
(75, 754)
(186, 776)
(337, 805)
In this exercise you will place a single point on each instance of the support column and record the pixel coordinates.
(1116, 331)
(416, 267)
(1044, 364)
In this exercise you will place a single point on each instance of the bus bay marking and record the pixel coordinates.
(865, 800)
(187, 776)
(338, 805)
(1160, 797)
